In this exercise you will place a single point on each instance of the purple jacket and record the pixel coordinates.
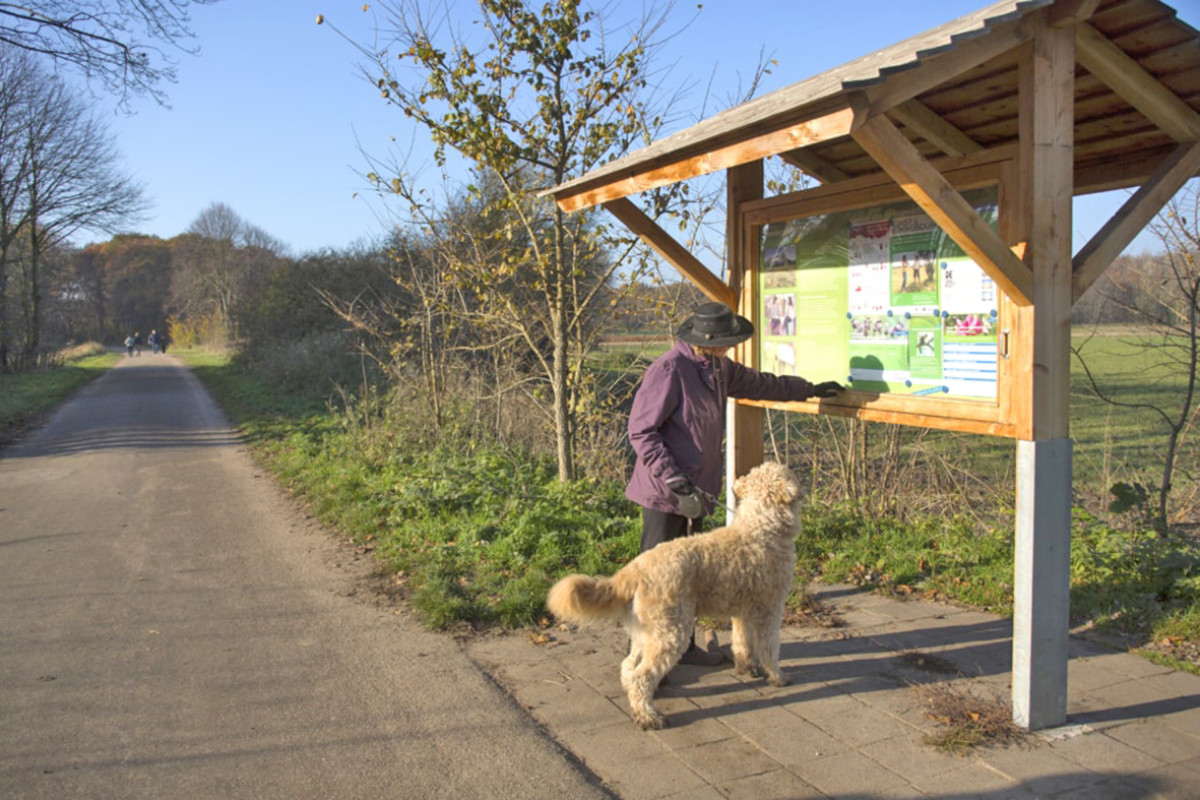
(677, 423)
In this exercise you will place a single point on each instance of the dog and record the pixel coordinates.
(742, 572)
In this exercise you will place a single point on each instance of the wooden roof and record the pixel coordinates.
(952, 91)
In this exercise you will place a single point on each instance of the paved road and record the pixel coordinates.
(171, 627)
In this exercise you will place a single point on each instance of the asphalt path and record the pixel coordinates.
(171, 626)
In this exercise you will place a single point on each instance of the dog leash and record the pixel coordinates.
(712, 499)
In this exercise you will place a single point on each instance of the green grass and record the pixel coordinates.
(475, 534)
(26, 396)
(1115, 443)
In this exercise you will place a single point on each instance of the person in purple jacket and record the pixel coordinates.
(677, 426)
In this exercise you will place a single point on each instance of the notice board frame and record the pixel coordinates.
(1002, 417)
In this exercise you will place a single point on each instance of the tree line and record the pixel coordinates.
(481, 308)
(59, 166)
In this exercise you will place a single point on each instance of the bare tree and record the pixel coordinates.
(1163, 299)
(218, 263)
(125, 45)
(59, 174)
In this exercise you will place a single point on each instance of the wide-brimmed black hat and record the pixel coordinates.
(715, 325)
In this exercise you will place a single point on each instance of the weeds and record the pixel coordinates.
(968, 720)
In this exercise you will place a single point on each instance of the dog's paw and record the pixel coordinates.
(752, 670)
(650, 722)
(778, 680)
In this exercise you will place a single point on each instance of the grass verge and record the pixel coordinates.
(475, 533)
(25, 397)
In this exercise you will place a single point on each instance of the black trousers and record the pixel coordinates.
(659, 527)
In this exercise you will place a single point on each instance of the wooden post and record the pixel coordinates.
(744, 428)
(1043, 535)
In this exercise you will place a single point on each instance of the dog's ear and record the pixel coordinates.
(782, 489)
(770, 482)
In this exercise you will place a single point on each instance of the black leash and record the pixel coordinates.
(712, 499)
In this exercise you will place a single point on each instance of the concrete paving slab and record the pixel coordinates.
(726, 760)
(658, 777)
(851, 724)
(1102, 753)
(851, 774)
(972, 779)
(1162, 742)
(775, 785)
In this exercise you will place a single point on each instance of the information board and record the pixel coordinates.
(882, 300)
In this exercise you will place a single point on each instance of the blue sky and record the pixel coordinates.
(272, 117)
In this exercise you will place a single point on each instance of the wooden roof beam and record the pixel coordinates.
(924, 121)
(1069, 12)
(675, 254)
(828, 126)
(1125, 76)
(934, 70)
(1110, 241)
(812, 164)
(921, 181)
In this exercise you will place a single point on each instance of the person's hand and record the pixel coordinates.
(828, 389)
(687, 497)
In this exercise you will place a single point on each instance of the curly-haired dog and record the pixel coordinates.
(742, 571)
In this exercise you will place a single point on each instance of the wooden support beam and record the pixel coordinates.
(674, 253)
(1047, 174)
(829, 126)
(922, 120)
(1135, 85)
(742, 185)
(937, 198)
(811, 164)
(1108, 243)
(744, 426)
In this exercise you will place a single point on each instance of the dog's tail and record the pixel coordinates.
(578, 598)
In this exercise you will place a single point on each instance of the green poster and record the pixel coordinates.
(881, 299)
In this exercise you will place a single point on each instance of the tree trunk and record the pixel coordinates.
(564, 443)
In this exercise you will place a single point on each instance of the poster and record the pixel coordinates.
(882, 300)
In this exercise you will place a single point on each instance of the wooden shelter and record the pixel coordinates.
(1042, 99)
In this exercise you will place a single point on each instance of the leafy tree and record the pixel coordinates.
(137, 281)
(125, 45)
(540, 96)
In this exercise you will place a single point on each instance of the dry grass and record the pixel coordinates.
(803, 609)
(968, 720)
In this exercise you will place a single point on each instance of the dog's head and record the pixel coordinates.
(770, 483)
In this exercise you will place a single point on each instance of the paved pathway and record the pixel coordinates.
(172, 628)
(850, 726)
